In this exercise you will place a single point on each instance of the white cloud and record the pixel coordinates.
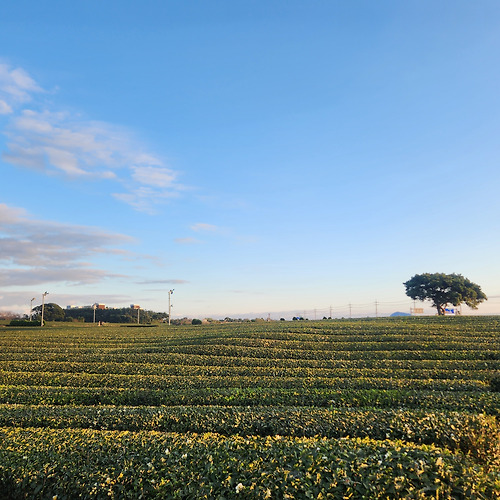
(154, 176)
(16, 86)
(9, 215)
(144, 199)
(65, 144)
(38, 276)
(5, 109)
(162, 282)
(35, 251)
(59, 143)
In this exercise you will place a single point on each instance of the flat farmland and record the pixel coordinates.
(385, 408)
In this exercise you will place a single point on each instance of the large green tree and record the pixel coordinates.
(443, 289)
(51, 312)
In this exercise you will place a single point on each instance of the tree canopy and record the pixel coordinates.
(443, 289)
(51, 312)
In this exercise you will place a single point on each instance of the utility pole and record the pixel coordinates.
(43, 306)
(138, 310)
(331, 312)
(350, 310)
(170, 292)
(376, 308)
(94, 307)
(31, 307)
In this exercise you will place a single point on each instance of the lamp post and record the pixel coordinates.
(43, 306)
(31, 307)
(94, 308)
(170, 292)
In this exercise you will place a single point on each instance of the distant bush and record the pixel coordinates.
(196, 322)
(23, 322)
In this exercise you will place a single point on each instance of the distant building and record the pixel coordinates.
(96, 306)
(135, 306)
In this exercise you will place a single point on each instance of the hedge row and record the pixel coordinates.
(483, 402)
(474, 435)
(207, 365)
(75, 463)
(186, 382)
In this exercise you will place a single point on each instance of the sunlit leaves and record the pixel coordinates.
(342, 409)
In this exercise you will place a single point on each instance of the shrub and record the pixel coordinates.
(23, 322)
(196, 322)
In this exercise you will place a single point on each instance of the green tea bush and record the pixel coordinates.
(399, 408)
(23, 322)
(474, 435)
(72, 463)
(495, 384)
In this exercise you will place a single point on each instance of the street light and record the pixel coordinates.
(170, 292)
(43, 306)
(31, 307)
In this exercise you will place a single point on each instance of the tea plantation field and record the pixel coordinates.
(385, 408)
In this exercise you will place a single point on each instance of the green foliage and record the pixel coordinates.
(475, 435)
(113, 315)
(51, 312)
(495, 383)
(443, 289)
(196, 322)
(74, 463)
(400, 408)
(23, 322)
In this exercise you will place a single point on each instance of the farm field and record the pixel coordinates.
(385, 408)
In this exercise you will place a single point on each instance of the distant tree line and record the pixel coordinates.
(54, 312)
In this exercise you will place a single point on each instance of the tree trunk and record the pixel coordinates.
(440, 309)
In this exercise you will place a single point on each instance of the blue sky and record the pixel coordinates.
(259, 157)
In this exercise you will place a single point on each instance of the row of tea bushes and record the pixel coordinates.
(350, 380)
(474, 435)
(75, 463)
(176, 364)
(302, 409)
(471, 401)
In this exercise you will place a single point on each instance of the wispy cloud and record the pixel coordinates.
(154, 175)
(62, 143)
(16, 87)
(35, 251)
(5, 109)
(162, 282)
(145, 199)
